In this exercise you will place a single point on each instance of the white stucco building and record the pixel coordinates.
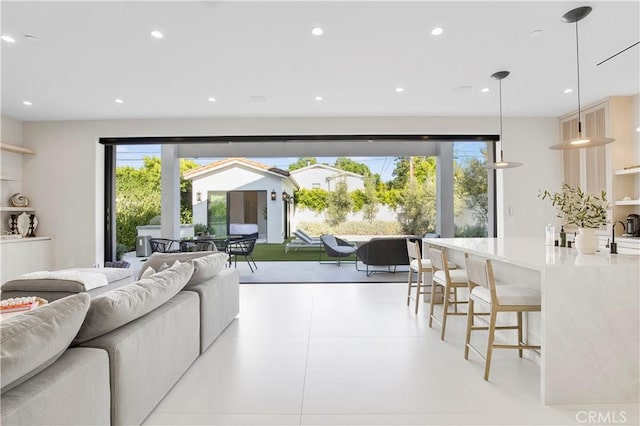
(322, 176)
(240, 191)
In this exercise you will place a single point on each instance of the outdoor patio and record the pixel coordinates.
(302, 272)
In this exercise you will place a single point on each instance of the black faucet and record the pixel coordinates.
(614, 246)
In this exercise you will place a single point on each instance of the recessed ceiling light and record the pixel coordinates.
(318, 98)
(27, 103)
(118, 101)
(212, 99)
(156, 34)
(463, 89)
(437, 31)
(536, 33)
(484, 90)
(638, 129)
(30, 37)
(258, 98)
(399, 89)
(317, 31)
(568, 90)
(8, 39)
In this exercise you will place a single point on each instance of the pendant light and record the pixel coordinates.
(575, 16)
(501, 164)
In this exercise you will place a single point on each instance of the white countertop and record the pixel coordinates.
(531, 253)
(22, 240)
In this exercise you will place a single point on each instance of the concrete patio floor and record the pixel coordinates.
(302, 272)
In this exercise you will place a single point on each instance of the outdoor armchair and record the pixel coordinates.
(337, 248)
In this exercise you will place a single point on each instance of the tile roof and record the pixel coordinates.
(235, 160)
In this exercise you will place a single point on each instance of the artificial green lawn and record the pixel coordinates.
(276, 253)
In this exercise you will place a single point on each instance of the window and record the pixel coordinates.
(471, 195)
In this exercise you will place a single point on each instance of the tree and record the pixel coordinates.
(339, 204)
(423, 168)
(138, 197)
(303, 162)
(370, 206)
(348, 165)
(417, 209)
(473, 186)
(313, 199)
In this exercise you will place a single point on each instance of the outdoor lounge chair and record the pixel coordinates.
(303, 240)
(336, 247)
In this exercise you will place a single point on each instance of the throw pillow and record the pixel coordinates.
(33, 340)
(206, 267)
(147, 273)
(157, 259)
(124, 304)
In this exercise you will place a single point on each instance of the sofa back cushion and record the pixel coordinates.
(33, 340)
(124, 304)
(206, 264)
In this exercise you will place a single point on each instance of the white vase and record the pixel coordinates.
(587, 241)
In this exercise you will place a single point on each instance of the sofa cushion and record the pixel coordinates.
(33, 340)
(207, 267)
(206, 263)
(124, 304)
(73, 280)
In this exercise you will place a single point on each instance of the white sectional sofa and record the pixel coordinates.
(110, 359)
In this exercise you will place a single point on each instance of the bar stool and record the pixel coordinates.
(416, 265)
(502, 298)
(450, 281)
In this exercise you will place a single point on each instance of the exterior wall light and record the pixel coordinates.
(285, 196)
(273, 195)
(198, 196)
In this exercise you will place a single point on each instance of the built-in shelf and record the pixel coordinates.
(16, 209)
(628, 203)
(7, 178)
(631, 171)
(16, 149)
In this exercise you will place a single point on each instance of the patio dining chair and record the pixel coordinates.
(243, 247)
(164, 245)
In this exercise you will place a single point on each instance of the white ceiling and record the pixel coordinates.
(89, 53)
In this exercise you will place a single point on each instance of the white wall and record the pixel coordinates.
(520, 212)
(10, 164)
(65, 176)
(326, 178)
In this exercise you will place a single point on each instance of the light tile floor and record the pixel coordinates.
(355, 354)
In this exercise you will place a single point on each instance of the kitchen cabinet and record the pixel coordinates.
(602, 168)
(23, 255)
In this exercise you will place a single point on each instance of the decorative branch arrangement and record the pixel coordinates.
(575, 207)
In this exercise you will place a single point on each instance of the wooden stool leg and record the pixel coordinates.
(410, 281)
(432, 302)
(492, 330)
(455, 300)
(520, 333)
(418, 290)
(469, 325)
(445, 310)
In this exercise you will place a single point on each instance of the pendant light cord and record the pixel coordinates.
(578, 68)
(501, 141)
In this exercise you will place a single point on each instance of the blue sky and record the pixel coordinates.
(132, 156)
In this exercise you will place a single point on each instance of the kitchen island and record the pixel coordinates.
(589, 328)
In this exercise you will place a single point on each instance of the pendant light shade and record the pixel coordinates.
(575, 16)
(501, 163)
